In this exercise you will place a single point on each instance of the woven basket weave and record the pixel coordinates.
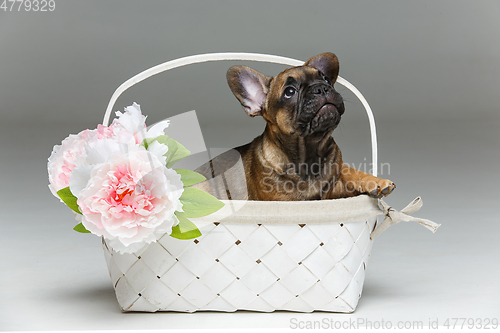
(260, 256)
(247, 267)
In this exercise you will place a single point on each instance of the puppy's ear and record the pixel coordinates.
(327, 63)
(250, 88)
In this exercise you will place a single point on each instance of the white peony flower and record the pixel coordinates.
(127, 130)
(133, 122)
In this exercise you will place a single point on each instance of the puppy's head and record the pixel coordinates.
(298, 101)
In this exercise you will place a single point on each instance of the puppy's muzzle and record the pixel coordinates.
(326, 95)
(321, 109)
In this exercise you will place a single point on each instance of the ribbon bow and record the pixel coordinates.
(392, 216)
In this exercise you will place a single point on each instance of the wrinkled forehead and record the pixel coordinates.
(294, 75)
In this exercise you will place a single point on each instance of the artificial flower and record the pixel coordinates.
(133, 122)
(127, 129)
(71, 153)
(130, 199)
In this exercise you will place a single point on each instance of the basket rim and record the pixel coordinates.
(342, 210)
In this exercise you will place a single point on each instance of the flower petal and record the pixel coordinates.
(159, 150)
(157, 129)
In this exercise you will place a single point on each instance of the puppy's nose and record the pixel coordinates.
(320, 89)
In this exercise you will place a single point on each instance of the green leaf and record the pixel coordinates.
(189, 177)
(185, 229)
(69, 199)
(197, 203)
(176, 151)
(80, 228)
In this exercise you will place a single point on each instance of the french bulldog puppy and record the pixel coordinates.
(296, 157)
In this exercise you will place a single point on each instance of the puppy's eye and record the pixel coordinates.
(289, 92)
(326, 78)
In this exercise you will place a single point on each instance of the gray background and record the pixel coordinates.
(430, 70)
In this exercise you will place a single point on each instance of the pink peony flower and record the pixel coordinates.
(70, 154)
(130, 199)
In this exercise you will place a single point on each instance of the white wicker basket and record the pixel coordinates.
(260, 256)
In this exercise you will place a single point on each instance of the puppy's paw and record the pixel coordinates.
(377, 187)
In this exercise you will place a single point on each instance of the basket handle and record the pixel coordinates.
(245, 57)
